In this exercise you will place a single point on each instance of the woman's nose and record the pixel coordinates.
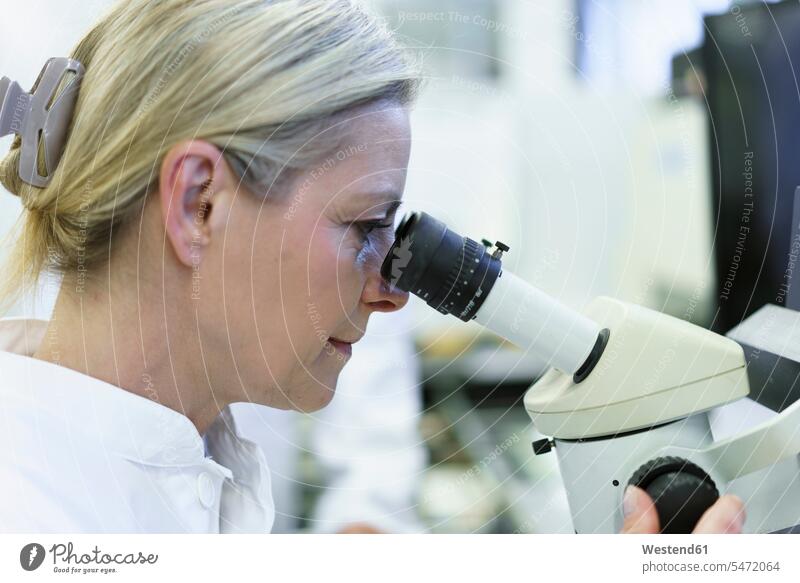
(380, 296)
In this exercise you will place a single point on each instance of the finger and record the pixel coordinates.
(359, 528)
(641, 516)
(726, 516)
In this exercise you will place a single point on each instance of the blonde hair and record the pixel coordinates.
(257, 78)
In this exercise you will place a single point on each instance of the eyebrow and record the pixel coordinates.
(388, 198)
(393, 206)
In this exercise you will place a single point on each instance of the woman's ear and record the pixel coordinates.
(192, 174)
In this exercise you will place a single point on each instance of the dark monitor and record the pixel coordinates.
(793, 263)
(751, 63)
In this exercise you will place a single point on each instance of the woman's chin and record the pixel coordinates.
(319, 400)
(315, 396)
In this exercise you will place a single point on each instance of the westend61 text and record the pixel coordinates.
(675, 550)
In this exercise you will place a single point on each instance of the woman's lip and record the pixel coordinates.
(341, 346)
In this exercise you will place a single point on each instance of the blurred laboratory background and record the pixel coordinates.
(618, 147)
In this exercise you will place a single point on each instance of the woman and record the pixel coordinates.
(219, 213)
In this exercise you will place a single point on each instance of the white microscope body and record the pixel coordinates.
(642, 414)
(629, 394)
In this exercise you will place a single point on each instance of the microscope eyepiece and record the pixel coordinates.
(456, 275)
(453, 274)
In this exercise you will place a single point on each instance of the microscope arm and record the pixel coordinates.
(762, 446)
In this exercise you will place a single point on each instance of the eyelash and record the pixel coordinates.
(366, 227)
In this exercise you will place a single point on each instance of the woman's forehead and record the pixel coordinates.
(374, 129)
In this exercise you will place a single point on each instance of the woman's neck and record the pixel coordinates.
(123, 336)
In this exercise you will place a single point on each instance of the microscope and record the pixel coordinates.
(629, 394)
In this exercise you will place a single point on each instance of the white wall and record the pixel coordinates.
(599, 188)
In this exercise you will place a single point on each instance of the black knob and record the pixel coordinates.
(542, 446)
(681, 490)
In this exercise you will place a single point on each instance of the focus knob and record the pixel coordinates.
(681, 490)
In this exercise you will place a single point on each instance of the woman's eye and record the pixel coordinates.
(364, 228)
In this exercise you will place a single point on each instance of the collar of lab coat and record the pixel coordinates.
(142, 430)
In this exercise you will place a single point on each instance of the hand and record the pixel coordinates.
(726, 516)
(359, 528)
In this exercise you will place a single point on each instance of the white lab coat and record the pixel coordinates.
(366, 443)
(81, 455)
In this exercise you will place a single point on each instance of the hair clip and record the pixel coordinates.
(40, 116)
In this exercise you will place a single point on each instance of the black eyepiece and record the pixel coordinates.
(453, 274)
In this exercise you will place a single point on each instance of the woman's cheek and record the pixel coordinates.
(374, 252)
(330, 268)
